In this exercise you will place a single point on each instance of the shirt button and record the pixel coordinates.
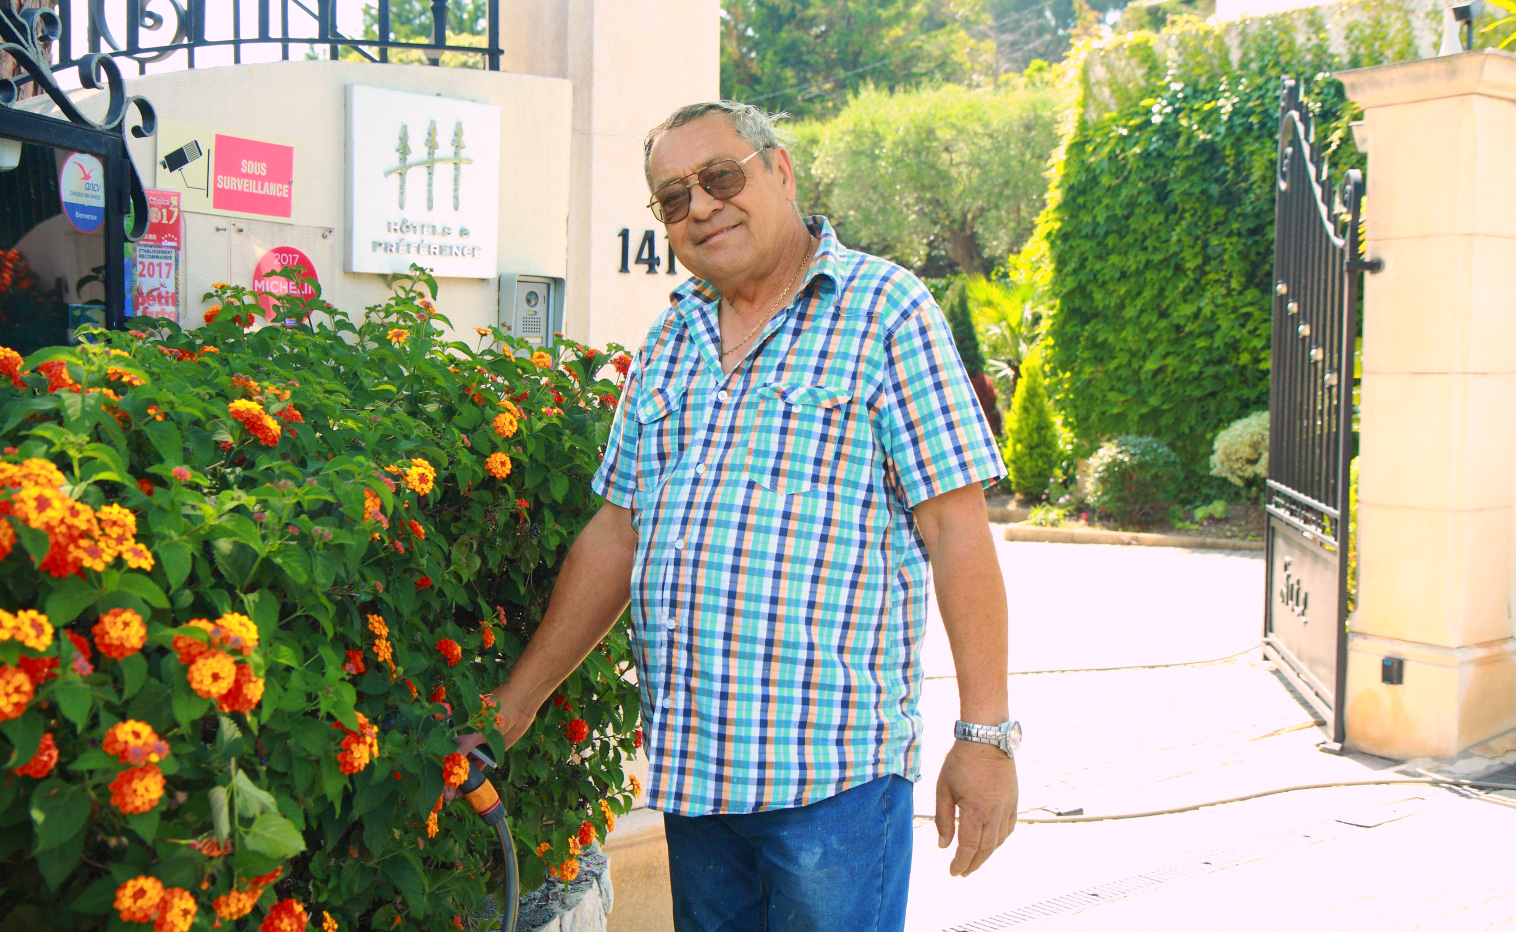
(722, 395)
(668, 623)
(667, 702)
(700, 469)
(679, 544)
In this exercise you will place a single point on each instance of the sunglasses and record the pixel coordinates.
(722, 180)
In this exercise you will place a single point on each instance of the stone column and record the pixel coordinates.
(632, 64)
(1437, 473)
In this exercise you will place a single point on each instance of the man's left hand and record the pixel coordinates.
(979, 782)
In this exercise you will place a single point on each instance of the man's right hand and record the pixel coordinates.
(511, 729)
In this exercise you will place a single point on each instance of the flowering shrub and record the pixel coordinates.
(1132, 478)
(252, 583)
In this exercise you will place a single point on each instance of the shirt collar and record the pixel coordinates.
(695, 296)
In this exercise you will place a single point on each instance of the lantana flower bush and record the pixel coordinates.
(254, 579)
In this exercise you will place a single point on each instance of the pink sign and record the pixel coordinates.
(268, 287)
(163, 219)
(252, 177)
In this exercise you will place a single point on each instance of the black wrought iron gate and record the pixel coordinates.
(1316, 277)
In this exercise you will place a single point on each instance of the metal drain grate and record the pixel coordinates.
(1506, 774)
(1119, 889)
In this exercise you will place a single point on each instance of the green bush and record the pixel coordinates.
(1133, 478)
(270, 549)
(1047, 515)
(1155, 250)
(965, 336)
(1240, 454)
(1032, 450)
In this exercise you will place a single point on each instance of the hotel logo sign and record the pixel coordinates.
(423, 183)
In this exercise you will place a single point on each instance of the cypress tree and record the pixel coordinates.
(1032, 450)
(962, 322)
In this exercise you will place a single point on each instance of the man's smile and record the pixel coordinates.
(709, 237)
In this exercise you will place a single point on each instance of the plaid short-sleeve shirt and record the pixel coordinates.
(779, 588)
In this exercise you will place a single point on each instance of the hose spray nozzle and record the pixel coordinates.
(481, 793)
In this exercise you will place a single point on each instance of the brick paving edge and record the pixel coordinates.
(1066, 535)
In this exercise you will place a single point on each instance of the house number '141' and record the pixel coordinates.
(647, 253)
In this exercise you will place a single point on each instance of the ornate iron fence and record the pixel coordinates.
(1316, 278)
(152, 32)
(24, 39)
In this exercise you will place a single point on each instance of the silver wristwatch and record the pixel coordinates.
(1006, 736)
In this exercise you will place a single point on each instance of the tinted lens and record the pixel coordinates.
(723, 179)
(671, 203)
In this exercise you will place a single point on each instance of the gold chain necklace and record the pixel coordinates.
(784, 291)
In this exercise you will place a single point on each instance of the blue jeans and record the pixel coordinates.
(839, 865)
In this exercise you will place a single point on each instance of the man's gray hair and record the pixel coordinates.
(752, 124)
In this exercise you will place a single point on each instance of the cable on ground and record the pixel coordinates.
(1409, 781)
(1143, 666)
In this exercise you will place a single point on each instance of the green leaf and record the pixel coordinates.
(73, 698)
(188, 707)
(25, 734)
(293, 561)
(263, 607)
(274, 836)
(58, 861)
(176, 560)
(164, 436)
(93, 759)
(133, 674)
(220, 817)
(406, 874)
(252, 800)
(58, 811)
(97, 898)
(70, 598)
(143, 587)
(145, 824)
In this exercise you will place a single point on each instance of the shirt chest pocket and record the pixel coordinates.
(659, 412)
(798, 440)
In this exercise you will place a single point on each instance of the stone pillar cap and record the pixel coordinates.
(1487, 72)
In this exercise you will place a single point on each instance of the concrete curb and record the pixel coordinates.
(1008, 515)
(1069, 535)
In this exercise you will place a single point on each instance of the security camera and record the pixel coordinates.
(182, 156)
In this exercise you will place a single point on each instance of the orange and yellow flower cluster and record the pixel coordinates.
(145, 899)
(384, 651)
(78, 535)
(455, 769)
(138, 788)
(498, 464)
(213, 673)
(16, 692)
(360, 747)
(450, 651)
(119, 633)
(505, 424)
(239, 903)
(420, 476)
(134, 742)
(257, 421)
(286, 916)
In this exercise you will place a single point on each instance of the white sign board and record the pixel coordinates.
(423, 183)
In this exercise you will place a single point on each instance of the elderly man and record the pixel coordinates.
(798, 450)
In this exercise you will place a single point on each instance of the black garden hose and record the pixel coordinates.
(484, 799)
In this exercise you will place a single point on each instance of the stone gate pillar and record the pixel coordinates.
(1437, 468)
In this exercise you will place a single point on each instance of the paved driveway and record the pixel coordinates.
(1134, 740)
